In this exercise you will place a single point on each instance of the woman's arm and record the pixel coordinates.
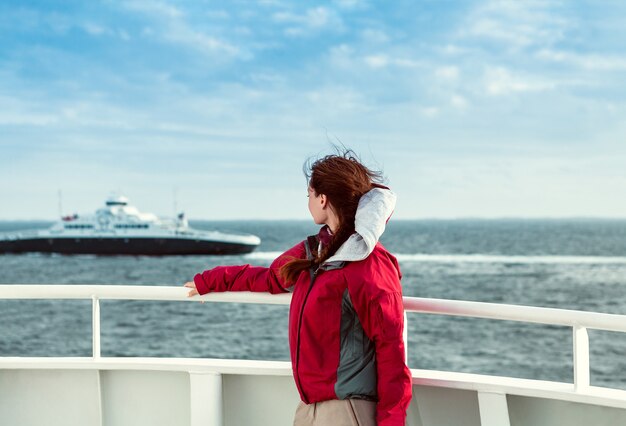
(245, 277)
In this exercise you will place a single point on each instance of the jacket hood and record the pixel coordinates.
(374, 210)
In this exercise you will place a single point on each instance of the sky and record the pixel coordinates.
(481, 109)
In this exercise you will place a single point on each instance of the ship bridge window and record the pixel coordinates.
(132, 226)
(78, 226)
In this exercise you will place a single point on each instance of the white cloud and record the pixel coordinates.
(500, 81)
(157, 8)
(343, 100)
(372, 36)
(98, 30)
(407, 63)
(447, 73)
(429, 112)
(352, 58)
(459, 102)
(377, 61)
(517, 24)
(28, 119)
(314, 19)
(318, 17)
(452, 49)
(18, 112)
(183, 34)
(173, 27)
(586, 61)
(95, 29)
(341, 56)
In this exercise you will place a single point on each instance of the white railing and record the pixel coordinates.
(579, 321)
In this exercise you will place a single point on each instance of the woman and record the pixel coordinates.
(346, 315)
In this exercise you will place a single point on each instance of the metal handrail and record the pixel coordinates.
(579, 321)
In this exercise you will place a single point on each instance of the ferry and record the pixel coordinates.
(119, 228)
(108, 391)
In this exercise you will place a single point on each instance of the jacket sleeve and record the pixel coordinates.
(247, 277)
(384, 324)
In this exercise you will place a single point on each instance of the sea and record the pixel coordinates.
(575, 264)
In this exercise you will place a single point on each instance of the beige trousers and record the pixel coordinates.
(336, 412)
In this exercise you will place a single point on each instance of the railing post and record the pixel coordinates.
(95, 326)
(405, 337)
(493, 408)
(581, 358)
(206, 399)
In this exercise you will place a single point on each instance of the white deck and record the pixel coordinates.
(147, 391)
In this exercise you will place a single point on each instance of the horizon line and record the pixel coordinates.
(425, 218)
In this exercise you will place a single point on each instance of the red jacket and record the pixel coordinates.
(345, 326)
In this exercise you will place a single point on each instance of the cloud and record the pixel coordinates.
(15, 112)
(408, 63)
(374, 36)
(591, 62)
(376, 61)
(181, 33)
(452, 49)
(500, 81)
(447, 72)
(174, 26)
(516, 24)
(458, 102)
(341, 56)
(429, 112)
(94, 29)
(380, 60)
(310, 21)
(56, 24)
(155, 8)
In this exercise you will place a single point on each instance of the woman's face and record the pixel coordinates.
(317, 207)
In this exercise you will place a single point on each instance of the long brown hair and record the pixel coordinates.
(343, 179)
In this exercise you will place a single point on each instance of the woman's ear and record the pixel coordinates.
(323, 201)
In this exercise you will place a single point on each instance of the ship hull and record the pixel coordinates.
(151, 246)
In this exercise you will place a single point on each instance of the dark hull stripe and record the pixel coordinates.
(125, 246)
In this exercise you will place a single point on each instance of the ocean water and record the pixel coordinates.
(571, 264)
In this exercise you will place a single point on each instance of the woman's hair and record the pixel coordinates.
(343, 179)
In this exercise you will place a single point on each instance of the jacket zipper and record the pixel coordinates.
(306, 400)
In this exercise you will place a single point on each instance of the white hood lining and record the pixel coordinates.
(374, 209)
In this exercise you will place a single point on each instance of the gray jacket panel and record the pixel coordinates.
(356, 374)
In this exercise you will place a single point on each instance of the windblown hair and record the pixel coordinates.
(343, 179)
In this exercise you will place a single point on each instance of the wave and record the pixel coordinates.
(263, 255)
(480, 258)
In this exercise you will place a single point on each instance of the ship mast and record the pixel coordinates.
(175, 200)
(60, 195)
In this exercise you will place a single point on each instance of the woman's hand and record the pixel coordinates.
(192, 286)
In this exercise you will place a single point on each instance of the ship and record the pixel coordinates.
(119, 228)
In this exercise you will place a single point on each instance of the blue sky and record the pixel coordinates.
(471, 108)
